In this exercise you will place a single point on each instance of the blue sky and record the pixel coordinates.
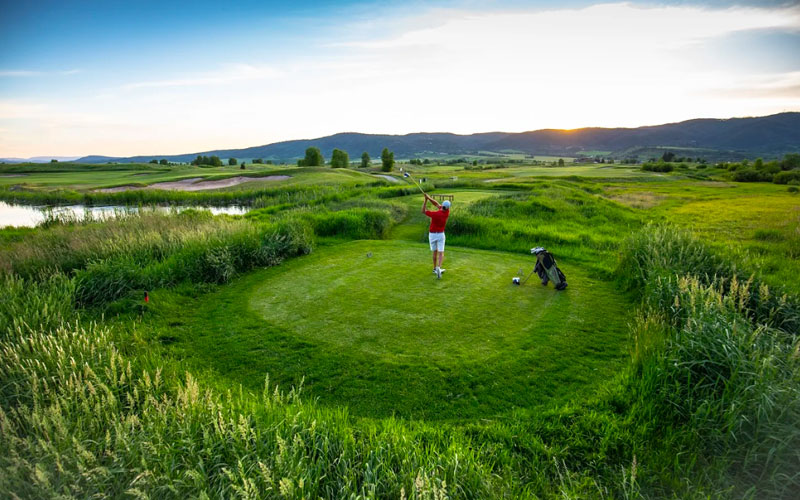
(125, 78)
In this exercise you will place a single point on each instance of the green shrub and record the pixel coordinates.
(751, 175)
(659, 166)
(786, 177)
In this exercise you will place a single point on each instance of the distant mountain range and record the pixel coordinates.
(39, 159)
(734, 138)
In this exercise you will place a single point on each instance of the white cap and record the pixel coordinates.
(446, 204)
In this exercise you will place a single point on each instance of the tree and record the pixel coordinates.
(790, 161)
(154, 161)
(51, 161)
(561, 162)
(164, 161)
(668, 156)
(232, 161)
(258, 160)
(387, 160)
(313, 158)
(340, 159)
(365, 160)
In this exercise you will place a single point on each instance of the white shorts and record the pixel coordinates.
(437, 241)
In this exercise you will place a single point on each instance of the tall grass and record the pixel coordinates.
(80, 418)
(209, 258)
(663, 250)
(717, 367)
(572, 223)
(147, 250)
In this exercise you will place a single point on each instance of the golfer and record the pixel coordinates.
(436, 231)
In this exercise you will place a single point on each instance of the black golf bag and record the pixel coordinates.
(547, 269)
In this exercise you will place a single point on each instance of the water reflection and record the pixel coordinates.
(29, 216)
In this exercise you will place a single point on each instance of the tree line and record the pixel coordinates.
(340, 159)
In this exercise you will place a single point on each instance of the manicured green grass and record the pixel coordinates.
(104, 176)
(591, 171)
(382, 336)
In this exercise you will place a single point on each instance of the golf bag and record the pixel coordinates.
(547, 269)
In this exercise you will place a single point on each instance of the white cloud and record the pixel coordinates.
(446, 70)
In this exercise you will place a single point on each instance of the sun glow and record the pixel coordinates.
(444, 70)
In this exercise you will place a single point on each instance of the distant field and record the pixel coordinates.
(760, 218)
(101, 176)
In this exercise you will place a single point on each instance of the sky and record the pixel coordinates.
(123, 78)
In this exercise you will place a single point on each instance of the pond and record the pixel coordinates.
(29, 216)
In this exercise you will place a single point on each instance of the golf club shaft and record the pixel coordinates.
(415, 182)
(528, 277)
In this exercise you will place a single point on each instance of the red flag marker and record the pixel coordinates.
(146, 297)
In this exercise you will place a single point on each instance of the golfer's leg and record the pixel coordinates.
(441, 258)
(435, 258)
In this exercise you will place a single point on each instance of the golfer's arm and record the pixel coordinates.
(424, 204)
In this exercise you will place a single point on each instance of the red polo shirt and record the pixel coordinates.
(438, 220)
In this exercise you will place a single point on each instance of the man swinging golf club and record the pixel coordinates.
(436, 231)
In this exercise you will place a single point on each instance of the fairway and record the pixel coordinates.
(382, 336)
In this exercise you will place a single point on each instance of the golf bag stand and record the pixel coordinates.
(547, 269)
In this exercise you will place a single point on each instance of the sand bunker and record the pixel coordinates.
(196, 184)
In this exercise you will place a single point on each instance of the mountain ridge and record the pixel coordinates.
(771, 135)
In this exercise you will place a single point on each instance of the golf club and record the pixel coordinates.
(517, 281)
(408, 175)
